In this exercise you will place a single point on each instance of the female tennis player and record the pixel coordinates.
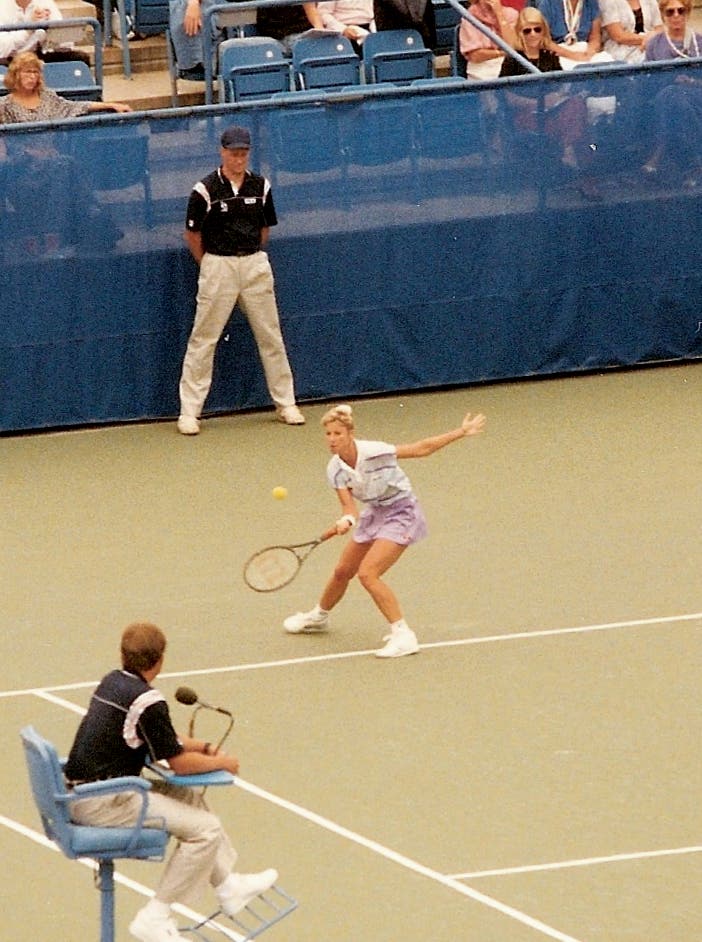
(392, 520)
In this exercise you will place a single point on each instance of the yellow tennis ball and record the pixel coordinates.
(280, 493)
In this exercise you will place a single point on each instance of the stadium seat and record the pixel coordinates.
(72, 79)
(398, 56)
(325, 62)
(447, 19)
(252, 68)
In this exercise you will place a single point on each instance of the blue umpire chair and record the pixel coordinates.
(104, 845)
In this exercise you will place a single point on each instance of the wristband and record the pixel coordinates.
(347, 518)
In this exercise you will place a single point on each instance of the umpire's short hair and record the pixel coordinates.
(143, 646)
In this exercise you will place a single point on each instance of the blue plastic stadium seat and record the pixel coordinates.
(72, 79)
(325, 62)
(396, 55)
(252, 68)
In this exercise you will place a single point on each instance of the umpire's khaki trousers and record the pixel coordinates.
(225, 280)
(203, 853)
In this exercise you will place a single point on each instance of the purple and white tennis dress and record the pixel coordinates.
(392, 512)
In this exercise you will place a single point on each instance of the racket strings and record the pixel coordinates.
(271, 569)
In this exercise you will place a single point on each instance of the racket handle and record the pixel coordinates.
(328, 534)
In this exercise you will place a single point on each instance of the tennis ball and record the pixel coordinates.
(280, 493)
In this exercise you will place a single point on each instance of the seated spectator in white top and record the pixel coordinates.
(351, 18)
(483, 56)
(628, 26)
(26, 40)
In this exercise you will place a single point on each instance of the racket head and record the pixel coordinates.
(271, 568)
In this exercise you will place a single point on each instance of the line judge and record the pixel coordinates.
(229, 216)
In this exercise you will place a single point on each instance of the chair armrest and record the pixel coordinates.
(195, 779)
(108, 786)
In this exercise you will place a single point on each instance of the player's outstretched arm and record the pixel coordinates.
(471, 425)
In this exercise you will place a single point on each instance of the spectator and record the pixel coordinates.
(29, 100)
(677, 108)
(407, 14)
(286, 24)
(186, 19)
(628, 27)
(351, 18)
(31, 11)
(564, 116)
(483, 56)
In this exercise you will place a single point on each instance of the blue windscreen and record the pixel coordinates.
(438, 234)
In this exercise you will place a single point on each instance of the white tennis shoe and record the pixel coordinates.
(239, 889)
(291, 415)
(400, 641)
(308, 622)
(149, 927)
(188, 425)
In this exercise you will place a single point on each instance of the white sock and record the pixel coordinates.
(399, 625)
(318, 610)
(157, 908)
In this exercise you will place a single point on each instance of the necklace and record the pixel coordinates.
(572, 16)
(688, 49)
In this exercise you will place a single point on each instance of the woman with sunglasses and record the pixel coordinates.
(565, 117)
(677, 108)
(629, 25)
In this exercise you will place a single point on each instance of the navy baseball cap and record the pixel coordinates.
(236, 137)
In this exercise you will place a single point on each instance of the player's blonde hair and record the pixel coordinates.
(342, 414)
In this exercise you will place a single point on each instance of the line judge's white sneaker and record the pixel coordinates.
(188, 425)
(242, 888)
(291, 415)
(307, 622)
(400, 641)
(148, 927)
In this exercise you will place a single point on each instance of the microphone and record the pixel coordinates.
(188, 696)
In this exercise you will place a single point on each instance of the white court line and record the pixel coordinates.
(584, 862)
(342, 655)
(119, 878)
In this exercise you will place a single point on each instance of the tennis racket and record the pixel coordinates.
(274, 567)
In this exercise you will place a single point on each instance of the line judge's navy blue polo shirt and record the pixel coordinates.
(231, 221)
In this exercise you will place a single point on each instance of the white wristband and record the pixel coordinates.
(347, 518)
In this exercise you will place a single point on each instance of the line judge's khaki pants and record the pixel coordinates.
(203, 853)
(225, 280)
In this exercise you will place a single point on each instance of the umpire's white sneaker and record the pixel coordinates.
(152, 927)
(401, 640)
(188, 425)
(308, 622)
(239, 889)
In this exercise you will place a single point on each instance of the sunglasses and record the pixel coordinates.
(532, 29)
(676, 11)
